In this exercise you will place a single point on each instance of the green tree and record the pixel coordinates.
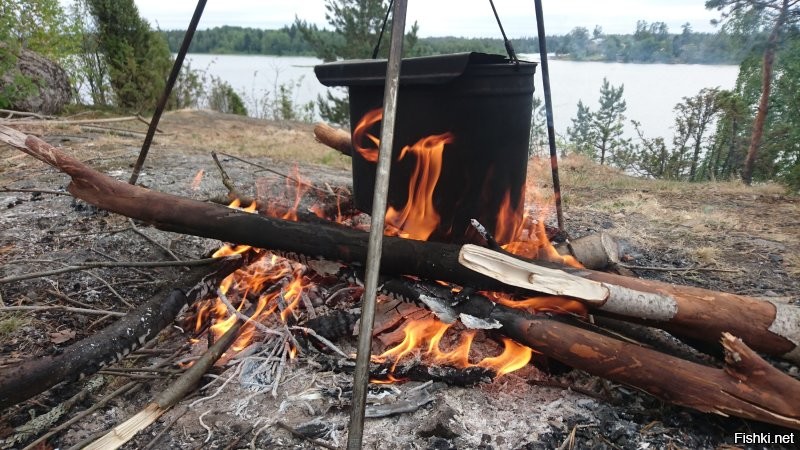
(693, 118)
(607, 123)
(138, 58)
(356, 25)
(752, 16)
(580, 134)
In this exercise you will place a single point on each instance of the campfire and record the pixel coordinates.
(459, 313)
(279, 289)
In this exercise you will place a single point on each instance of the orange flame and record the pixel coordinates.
(418, 219)
(431, 331)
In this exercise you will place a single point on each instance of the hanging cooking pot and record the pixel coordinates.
(479, 103)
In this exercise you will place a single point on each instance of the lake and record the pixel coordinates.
(651, 90)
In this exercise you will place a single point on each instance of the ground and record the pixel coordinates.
(721, 236)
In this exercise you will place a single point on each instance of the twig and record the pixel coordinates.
(145, 369)
(147, 122)
(323, 340)
(47, 420)
(35, 191)
(11, 112)
(249, 320)
(111, 258)
(276, 173)
(125, 431)
(67, 122)
(99, 404)
(90, 233)
(69, 299)
(61, 308)
(93, 265)
(110, 288)
(300, 435)
(132, 376)
(136, 230)
(257, 434)
(114, 131)
(228, 183)
(677, 269)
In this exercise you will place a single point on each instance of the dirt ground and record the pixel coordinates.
(721, 236)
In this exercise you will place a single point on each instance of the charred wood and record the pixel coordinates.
(746, 387)
(111, 344)
(688, 311)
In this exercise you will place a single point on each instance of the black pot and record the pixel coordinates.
(483, 100)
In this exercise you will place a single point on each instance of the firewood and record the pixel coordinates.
(23, 381)
(746, 387)
(334, 138)
(697, 313)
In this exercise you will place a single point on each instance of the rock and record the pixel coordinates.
(53, 90)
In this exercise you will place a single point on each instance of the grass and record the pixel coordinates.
(12, 323)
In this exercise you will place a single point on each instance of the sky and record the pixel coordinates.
(467, 18)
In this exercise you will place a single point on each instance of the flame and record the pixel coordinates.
(361, 132)
(197, 179)
(418, 219)
(431, 331)
(257, 280)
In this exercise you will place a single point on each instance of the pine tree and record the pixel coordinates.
(607, 122)
(138, 58)
(748, 16)
(580, 134)
(356, 25)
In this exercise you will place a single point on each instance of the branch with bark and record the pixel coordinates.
(688, 311)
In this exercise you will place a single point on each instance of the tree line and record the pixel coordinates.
(750, 132)
(649, 42)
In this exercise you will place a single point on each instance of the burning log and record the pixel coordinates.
(83, 358)
(697, 313)
(746, 387)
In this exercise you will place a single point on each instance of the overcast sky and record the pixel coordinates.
(470, 18)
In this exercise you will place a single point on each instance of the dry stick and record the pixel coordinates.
(93, 265)
(111, 258)
(147, 122)
(61, 308)
(300, 435)
(110, 288)
(242, 316)
(335, 138)
(69, 299)
(322, 339)
(68, 122)
(115, 131)
(166, 250)
(46, 421)
(262, 167)
(99, 404)
(124, 432)
(35, 191)
(25, 114)
(33, 376)
(233, 192)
